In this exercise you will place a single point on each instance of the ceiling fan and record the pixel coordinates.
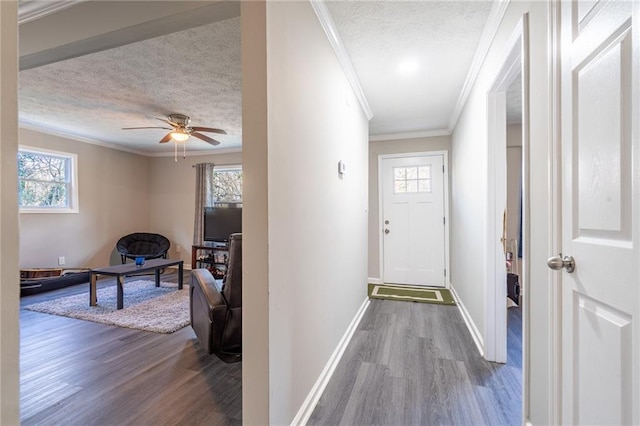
(180, 129)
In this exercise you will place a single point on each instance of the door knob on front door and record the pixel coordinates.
(558, 262)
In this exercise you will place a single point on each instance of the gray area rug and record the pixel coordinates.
(163, 309)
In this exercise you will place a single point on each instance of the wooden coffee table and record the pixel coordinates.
(120, 271)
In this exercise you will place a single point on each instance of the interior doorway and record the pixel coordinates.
(506, 302)
(514, 249)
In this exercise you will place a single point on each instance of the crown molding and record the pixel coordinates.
(409, 135)
(329, 27)
(197, 153)
(62, 134)
(30, 10)
(489, 32)
(55, 132)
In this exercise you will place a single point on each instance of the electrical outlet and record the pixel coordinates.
(178, 249)
(61, 260)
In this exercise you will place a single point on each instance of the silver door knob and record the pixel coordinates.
(557, 262)
(386, 231)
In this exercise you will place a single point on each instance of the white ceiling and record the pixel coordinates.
(82, 90)
(438, 38)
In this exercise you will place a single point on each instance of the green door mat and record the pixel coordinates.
(411, 294)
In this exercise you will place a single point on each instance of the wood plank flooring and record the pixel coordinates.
(407, 364)
(416, 364)
(75, 372)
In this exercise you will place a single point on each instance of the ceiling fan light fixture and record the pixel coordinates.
(181, 131)
(179, 136)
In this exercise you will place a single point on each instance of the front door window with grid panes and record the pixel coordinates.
(411, 179)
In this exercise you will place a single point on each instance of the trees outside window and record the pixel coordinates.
(46, 181)
(227, 185)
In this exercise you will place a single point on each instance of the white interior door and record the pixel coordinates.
(600, 200)
(413, 220)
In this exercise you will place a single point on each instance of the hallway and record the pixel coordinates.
(415, 363)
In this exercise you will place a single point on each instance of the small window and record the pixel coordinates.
(47, 181)
(411, 179)
(227, 185)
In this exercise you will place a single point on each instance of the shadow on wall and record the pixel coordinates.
(114, 257)
(98, 258)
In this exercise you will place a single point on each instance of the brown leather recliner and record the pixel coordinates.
(216, 313)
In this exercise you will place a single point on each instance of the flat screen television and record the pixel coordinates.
(222, 220)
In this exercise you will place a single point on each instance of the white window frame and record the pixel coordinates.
(73, 181)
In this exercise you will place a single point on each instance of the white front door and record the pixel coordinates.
(413, 220)
(601, 212)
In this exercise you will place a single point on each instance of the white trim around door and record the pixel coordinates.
(515, 62)
(381, 224)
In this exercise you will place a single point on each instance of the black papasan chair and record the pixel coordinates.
(143, 244)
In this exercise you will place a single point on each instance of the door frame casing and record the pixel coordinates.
(445, 158)
(515, 58)
(554, 392)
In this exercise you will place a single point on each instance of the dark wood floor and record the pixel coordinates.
(416, 364)
(75, 372)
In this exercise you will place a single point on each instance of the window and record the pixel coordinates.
(47, 181)
(227, 185)
(411, 179)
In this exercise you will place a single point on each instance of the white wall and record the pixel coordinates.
(255, 216)
(469, 189)
(377, 148)
(172, 198)
(9, 276)
(113, 193)
(468, 204)
(317, 221)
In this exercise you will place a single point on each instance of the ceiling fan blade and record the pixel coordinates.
(134, 128)
(166, 138)
(209, 129)
(205, 138)
(168, 122)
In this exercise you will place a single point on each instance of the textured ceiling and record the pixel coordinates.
(514, 101)
(195, 72)
(439, 37)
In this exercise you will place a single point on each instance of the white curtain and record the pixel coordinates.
(204, 198)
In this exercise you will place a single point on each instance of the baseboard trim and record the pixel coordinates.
(374, 280)
(310, 402)
(473, 329)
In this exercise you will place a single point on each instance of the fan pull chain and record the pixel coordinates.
(184, 150)
(175, 151)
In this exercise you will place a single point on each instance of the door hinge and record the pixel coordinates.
(443, 168)
(445, 272)
(444, 220)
